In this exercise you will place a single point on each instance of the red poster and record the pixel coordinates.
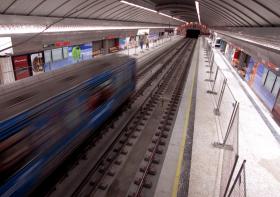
(21, 67)
(236, 54)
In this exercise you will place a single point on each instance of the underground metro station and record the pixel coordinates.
(139, 98)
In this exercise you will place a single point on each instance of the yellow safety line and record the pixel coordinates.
(183, 142)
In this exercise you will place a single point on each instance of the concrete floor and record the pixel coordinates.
(257, 144)
(169, 179)
(205, 164)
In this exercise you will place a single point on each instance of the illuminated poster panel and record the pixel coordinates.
(21, 67)
(37, 63)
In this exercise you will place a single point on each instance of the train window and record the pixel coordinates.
(276, 87)
(269, 82)
(120, 78)
(265, 71)
(100, 95)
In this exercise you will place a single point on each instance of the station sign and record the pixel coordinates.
(143, 31)
(62, 43)
(57, 44)
(109, 37)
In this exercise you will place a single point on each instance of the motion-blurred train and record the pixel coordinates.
(44, 118)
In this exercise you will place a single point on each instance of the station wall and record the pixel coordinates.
(258, 70)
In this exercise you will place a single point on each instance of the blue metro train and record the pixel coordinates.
(43, 121)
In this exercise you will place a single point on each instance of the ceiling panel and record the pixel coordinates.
(236, 13)
(4, 4)
(47, 7)
(84, 9)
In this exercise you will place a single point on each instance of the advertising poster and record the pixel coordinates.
(65, 52)
(122, 43)
(143, 32)
(21, 67)
(48, 56)
(57, 54)
(153, 37)
(80, 52)
(37, 63)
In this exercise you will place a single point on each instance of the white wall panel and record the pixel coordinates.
(6, 70)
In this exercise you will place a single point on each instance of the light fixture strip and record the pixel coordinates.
(24, 29)
(144, 8)
(138, 6)
(197, 10)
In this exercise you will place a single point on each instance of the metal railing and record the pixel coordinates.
(238, 188)
(230, 153)
(227, 110)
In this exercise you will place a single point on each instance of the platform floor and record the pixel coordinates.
(138, 53)
(257, 143)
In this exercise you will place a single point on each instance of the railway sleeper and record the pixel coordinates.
(118, 161)
(156, 160)
(159, 150)
(124, 151)
(111, 173)
(103, 186)
(148, 184)
(152, 171)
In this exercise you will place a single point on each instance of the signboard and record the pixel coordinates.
(37, 63)
(57, 54)
(48, 56)
(65, 52)
(57, 44)
(21, 67)
(62, 43)
(143, 32)
(109, 37)
(122, 43)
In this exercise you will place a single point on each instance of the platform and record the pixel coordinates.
(257, 143)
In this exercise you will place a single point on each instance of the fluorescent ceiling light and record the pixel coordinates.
(165, 15)
(24, 29)
(138, 6)
(171, 17)
(144, 8)
(197, 10)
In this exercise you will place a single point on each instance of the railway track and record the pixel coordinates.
(144, 138)
(148, 63)
(88, 175)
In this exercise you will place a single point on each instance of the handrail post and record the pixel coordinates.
(217, 109)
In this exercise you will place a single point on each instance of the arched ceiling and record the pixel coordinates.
(106, 10)
(214, 13)
(246, 13)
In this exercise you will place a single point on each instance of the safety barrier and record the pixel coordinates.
(225, 102)
(227, 110)
(238, 188)
(230, 153)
